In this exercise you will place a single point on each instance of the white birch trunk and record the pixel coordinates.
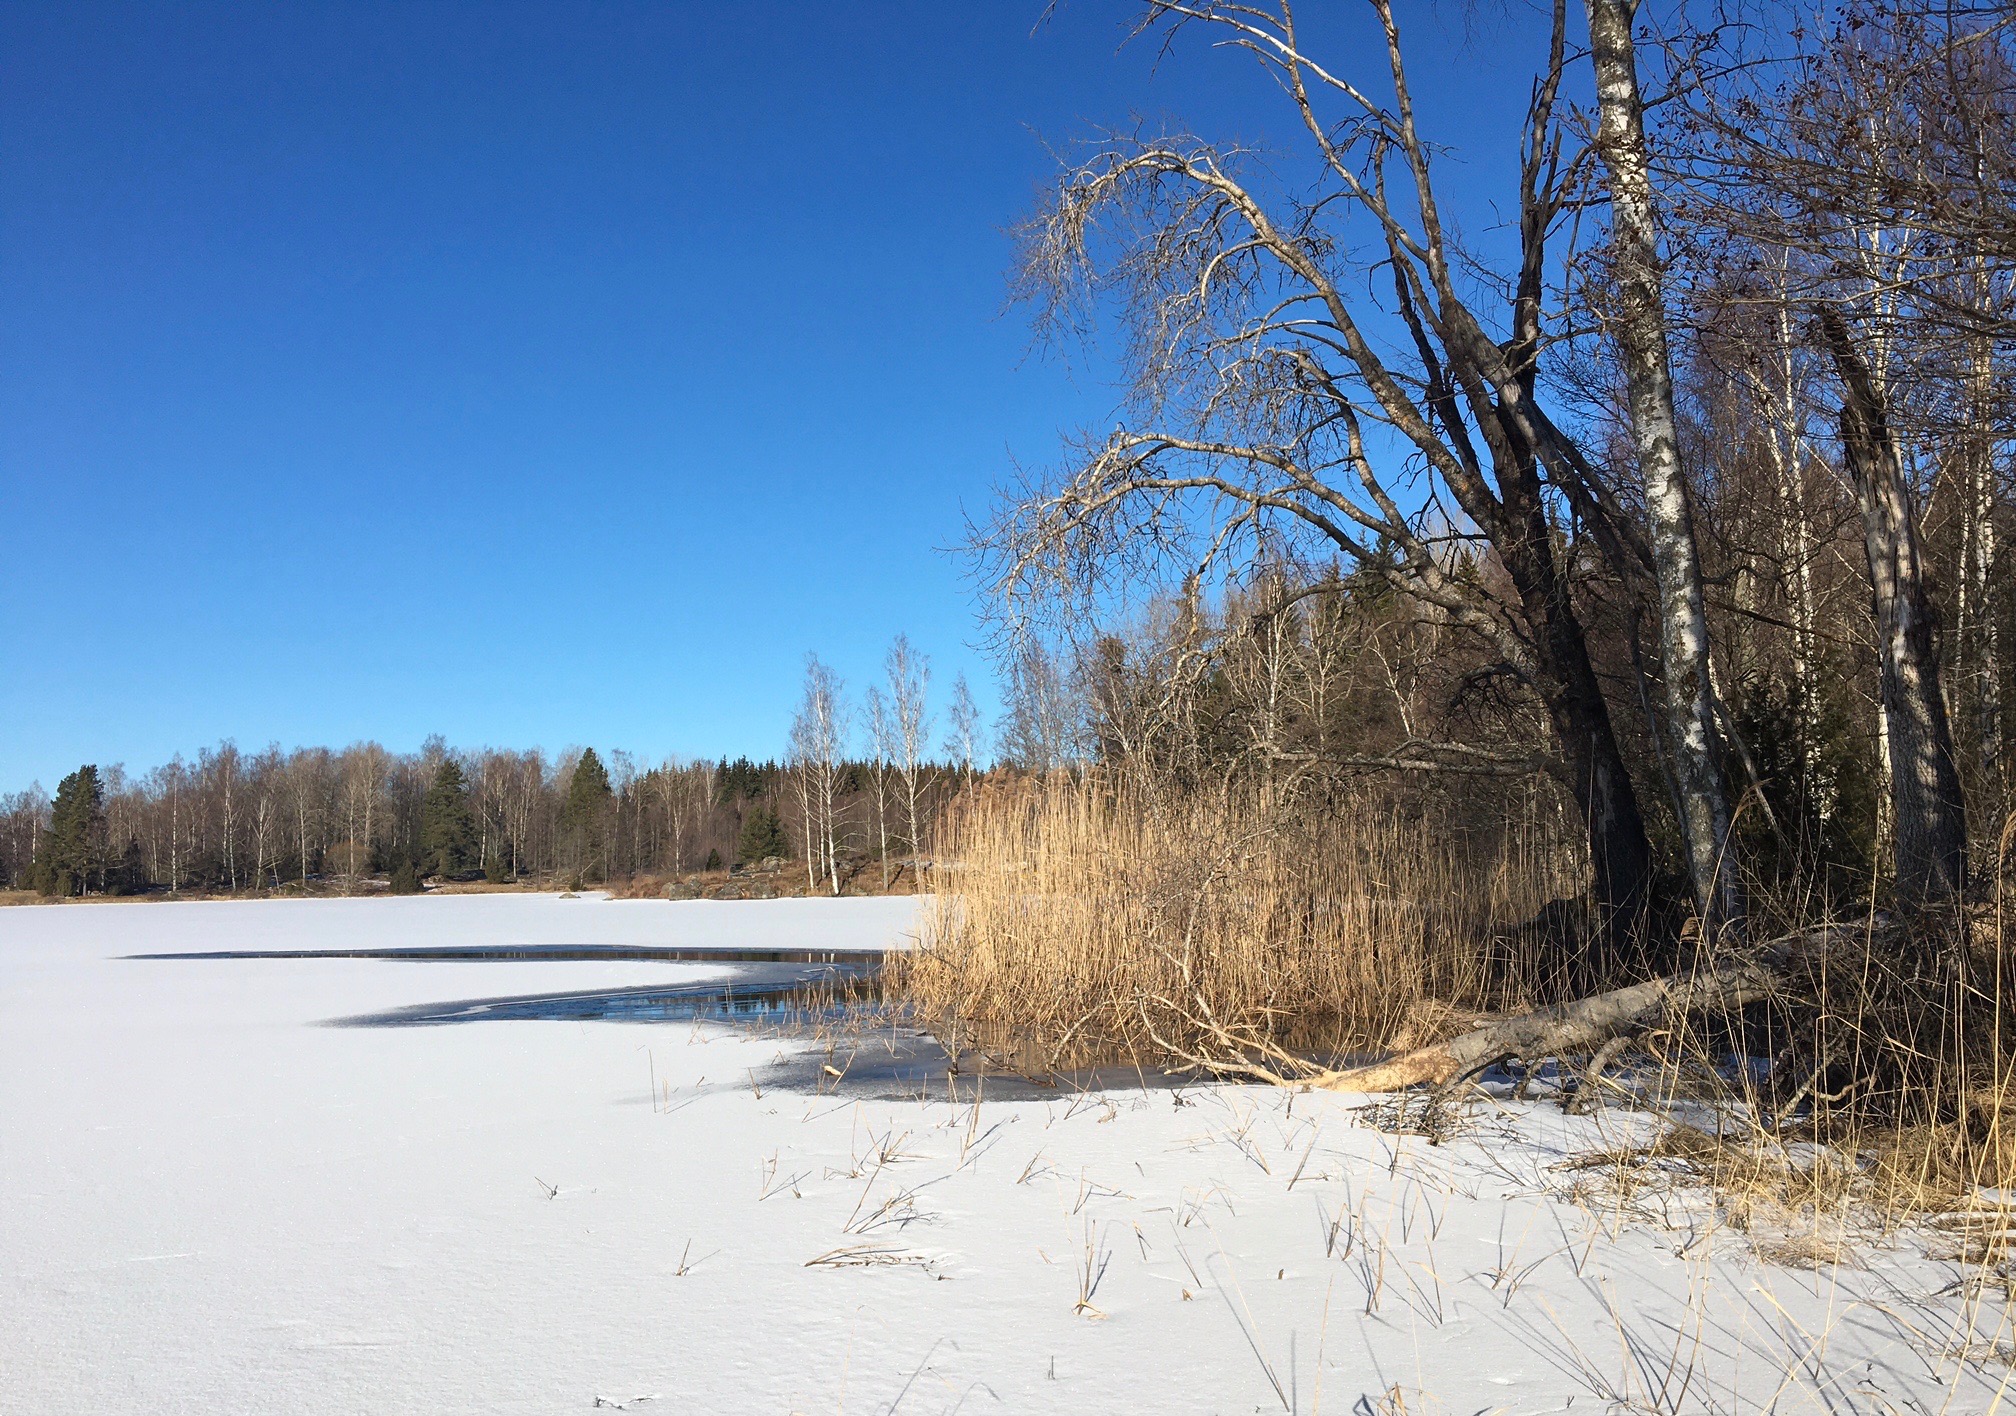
(1640, 328)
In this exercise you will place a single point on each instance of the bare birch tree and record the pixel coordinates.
(365, 766)
(307, 778)
(228, 767)
(881, 754)
(1041, 727)
(909, 675)
(962, 730)
(673, 787)
(170, 784)
(268, 774)
(818, 733)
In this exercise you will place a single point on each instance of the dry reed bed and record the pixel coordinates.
(1091, 911)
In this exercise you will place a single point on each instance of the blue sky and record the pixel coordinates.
(532, 374)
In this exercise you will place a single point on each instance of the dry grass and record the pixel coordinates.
(1088, 914)
(644, 886)
(1889, 1089)
(1886, 1106)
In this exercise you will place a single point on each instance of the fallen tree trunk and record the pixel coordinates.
(1587, 1023)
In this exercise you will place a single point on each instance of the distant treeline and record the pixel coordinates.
(322, 819)
(858, 785)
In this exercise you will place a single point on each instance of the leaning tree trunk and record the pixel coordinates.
(1600, 1023)
(1928, 813)
(1586, 1024)
(1620, 856)
(1640, 328)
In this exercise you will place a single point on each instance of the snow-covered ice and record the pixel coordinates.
(211, 1203)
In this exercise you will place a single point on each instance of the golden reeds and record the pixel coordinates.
(1087, 911)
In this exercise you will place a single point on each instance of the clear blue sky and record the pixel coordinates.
(535, 374)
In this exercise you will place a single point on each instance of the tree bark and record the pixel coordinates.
(1620, 855)
(1928, 813)
(1640, 329)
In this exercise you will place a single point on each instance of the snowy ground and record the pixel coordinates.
(209, 1203)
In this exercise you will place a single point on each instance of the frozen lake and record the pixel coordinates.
(214, 1202)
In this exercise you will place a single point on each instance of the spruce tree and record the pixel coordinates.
(762, 837)
(448, 840)
(74, 844)
(584, 817)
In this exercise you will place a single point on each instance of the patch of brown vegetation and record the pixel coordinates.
(1084, 909)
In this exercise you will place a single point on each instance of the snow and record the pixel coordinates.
(211, 1203)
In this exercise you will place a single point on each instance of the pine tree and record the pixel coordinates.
(74, 844)
(762, 837)
(584, 817)
(448, 840)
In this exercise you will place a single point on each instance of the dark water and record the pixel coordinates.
(832, 997)
(781, 986)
